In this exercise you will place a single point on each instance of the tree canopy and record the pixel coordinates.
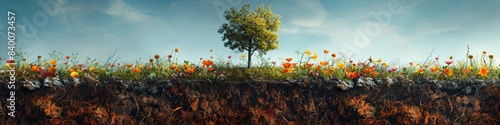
(250, 31)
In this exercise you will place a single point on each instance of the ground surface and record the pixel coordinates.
(253, 102)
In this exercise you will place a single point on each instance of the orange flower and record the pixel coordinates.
(172, 67)
(307, 65)
(374, 74)
(434, 69)
(67, 57)
(130, 65)
(326, 51)
(448, 72)
(288, 59)
(329, 71)
(190, 70)
(136, 70)
(176, 50)
(368, 70)
(323, 63)
(333, 55)
(287, 65)
(483, 71)
(287, 70)
(210, 69)
(157, 56)
(35, 69)
(317, 67)
(351, 75)
(207, 63)
(466, 70)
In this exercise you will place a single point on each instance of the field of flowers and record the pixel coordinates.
(305, 66)
(309, 88)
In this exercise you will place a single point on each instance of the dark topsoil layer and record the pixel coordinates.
(254, 102)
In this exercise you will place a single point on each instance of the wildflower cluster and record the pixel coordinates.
(306, 65)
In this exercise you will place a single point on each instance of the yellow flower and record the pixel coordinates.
(8, 66)
(74, 74)
(315, 57)
(340, 65)
(44, 63)
(176, 50)
(308, 53)
(378, 60)
(384, 64)
(243, 55)
(53, 62)
(103, 69)
(140, 65)
(91, 69)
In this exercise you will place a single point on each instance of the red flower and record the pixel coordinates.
(169, 56)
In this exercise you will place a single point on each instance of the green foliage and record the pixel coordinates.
(250, 31)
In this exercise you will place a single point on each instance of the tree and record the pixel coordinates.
(250, 31)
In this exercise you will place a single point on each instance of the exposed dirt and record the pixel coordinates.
(252, 102)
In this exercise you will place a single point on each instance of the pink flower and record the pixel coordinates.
(229, 57)
(394, 68)
(170, 56)
(448, 62)
(389, 69)
(273, 62)
(79, 64)
(201, 58)
(437, 58)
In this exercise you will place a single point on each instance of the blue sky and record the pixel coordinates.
(404, 30)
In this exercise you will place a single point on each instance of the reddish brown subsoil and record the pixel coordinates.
(256, 102)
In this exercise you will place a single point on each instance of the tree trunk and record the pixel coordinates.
(249, 58)
(250, 46)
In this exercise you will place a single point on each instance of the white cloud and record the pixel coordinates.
(314, 15)
(120, 9)
(435, 28)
